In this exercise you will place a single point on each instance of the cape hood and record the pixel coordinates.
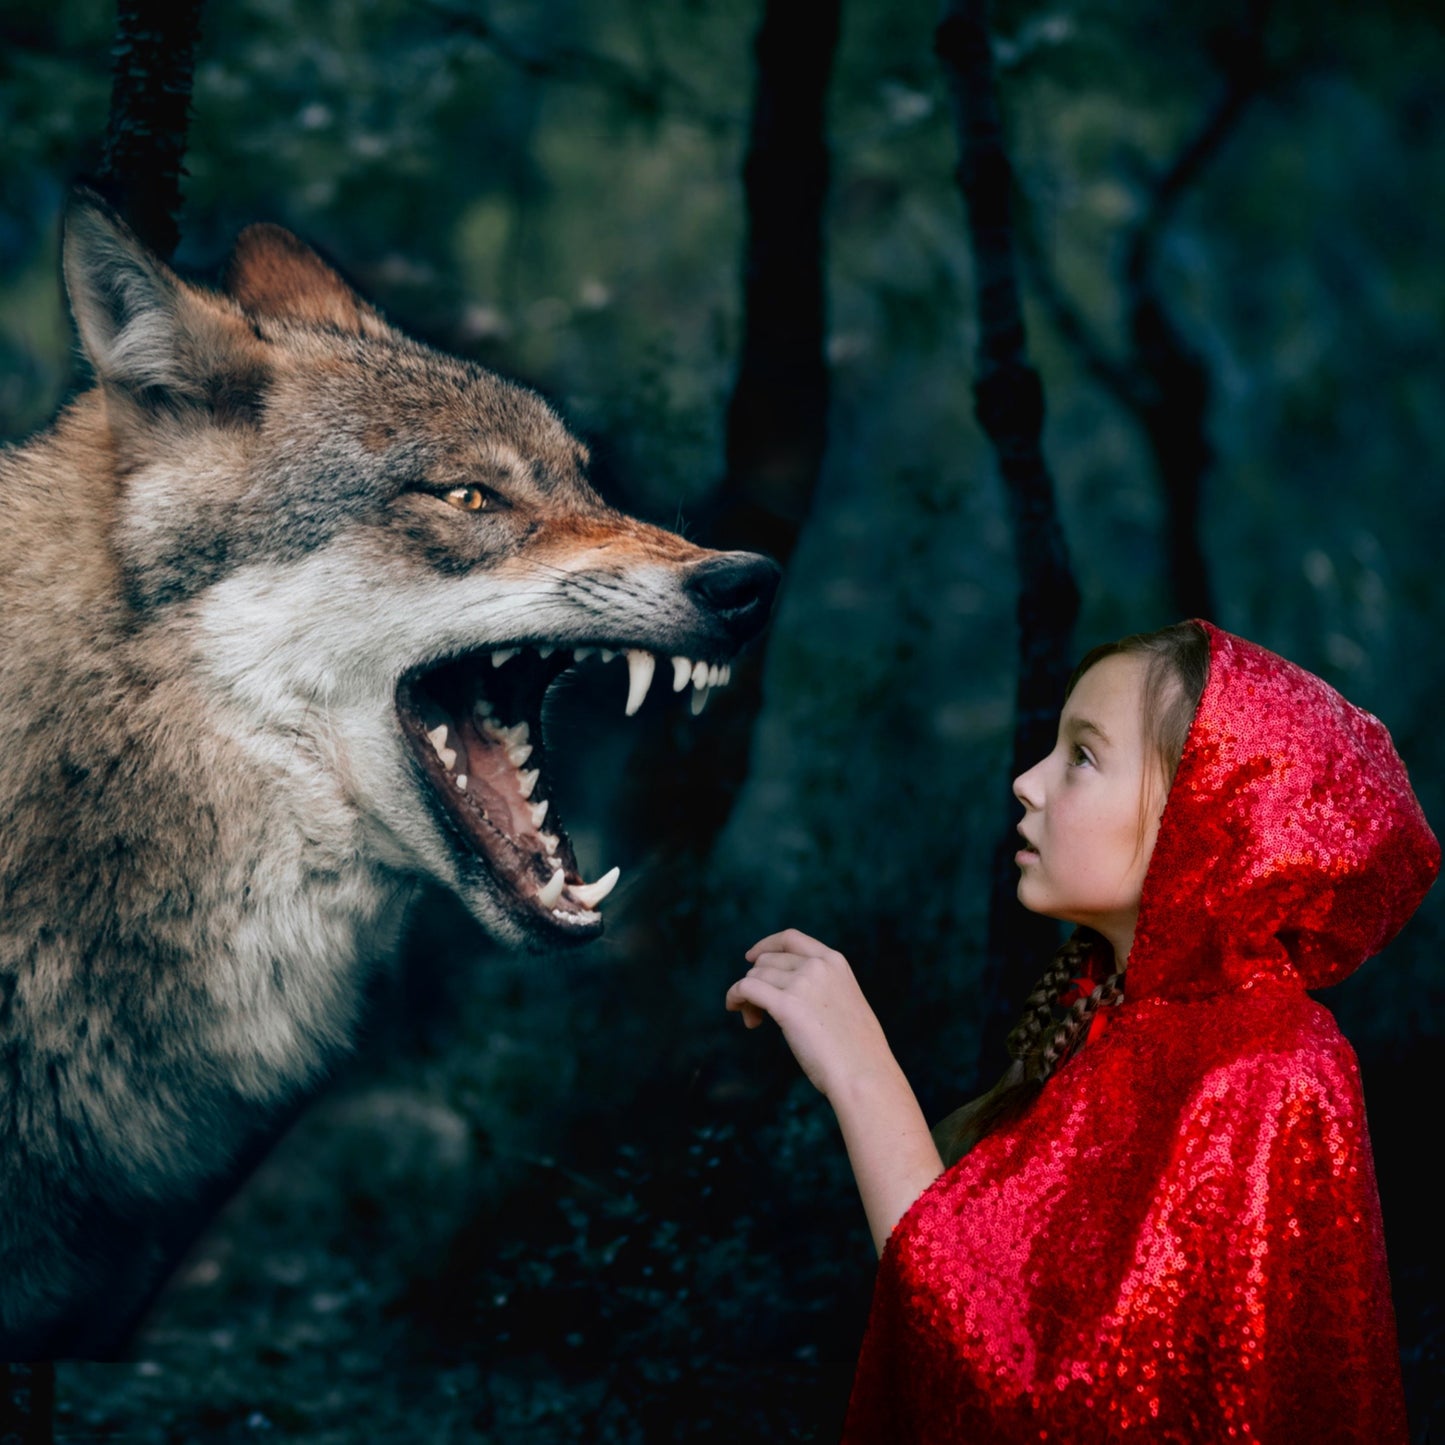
(1291, 839)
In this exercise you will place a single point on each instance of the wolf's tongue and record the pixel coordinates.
(496, 782)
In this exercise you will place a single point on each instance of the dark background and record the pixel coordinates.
(569, 1198)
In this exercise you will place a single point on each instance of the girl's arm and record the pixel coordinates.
(811, 994)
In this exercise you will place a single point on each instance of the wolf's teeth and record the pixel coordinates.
(699, 675)
(713, 674)
(437, 737)
(699, 701)
(545, 652)
(505, 655)
(553, 891)
(529, 781)
(539, 811)
(727, 674)
(591, 894)
(607, 654)
(481, 708)
(551, 844)
(448, 756)
(462, 782)
(516, 736)
(640, 667)
(518, 753)
(681, 672)
(581, 654)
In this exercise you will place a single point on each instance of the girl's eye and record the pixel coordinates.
(466, 499)
(1079, 756)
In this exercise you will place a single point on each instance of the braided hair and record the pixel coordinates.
(1050, 1031)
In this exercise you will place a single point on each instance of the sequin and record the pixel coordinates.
(1181, 1239)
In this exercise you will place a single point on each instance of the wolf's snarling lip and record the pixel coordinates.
(475, 724)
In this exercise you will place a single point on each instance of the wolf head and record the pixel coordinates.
(379, 558)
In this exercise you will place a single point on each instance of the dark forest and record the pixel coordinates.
(1007, 330)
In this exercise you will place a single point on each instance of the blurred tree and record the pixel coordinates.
(1009, 404)
(145, 137)
(777, 418)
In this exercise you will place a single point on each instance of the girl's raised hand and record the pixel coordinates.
(809, 991)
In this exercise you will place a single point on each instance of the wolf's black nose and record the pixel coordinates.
(738, 589)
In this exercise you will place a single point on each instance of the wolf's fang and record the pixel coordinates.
(640, 667)
(681, 672)
(528, 781)
(591, 894)
(553, 891)
(505, 655)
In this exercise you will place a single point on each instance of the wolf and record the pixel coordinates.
(281, 596)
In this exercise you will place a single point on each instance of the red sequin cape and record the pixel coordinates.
(1181, 1240)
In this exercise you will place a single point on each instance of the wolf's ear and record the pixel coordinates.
(141, 327)
(273, 274)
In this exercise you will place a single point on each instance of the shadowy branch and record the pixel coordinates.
(1162, 380)
(1009, 405)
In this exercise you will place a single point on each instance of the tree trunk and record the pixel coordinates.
(777, 419)
(145, 137)
(1009, 405)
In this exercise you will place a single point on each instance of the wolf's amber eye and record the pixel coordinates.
(468, 499)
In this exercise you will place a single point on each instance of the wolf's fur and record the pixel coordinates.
(214, 569)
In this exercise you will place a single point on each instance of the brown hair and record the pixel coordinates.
(1048, 1032)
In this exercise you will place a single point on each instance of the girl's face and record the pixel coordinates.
(1085, 859)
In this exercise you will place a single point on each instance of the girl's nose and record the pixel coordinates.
(1026, 787)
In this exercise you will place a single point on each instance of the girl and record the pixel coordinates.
(1162, 1223)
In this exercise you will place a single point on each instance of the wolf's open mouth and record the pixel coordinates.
(476, 725)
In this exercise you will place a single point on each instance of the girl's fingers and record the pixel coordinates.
(779, 969)
(790, 940)
(752, 997)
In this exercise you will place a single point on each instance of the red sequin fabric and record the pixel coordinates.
(1181, 1240)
